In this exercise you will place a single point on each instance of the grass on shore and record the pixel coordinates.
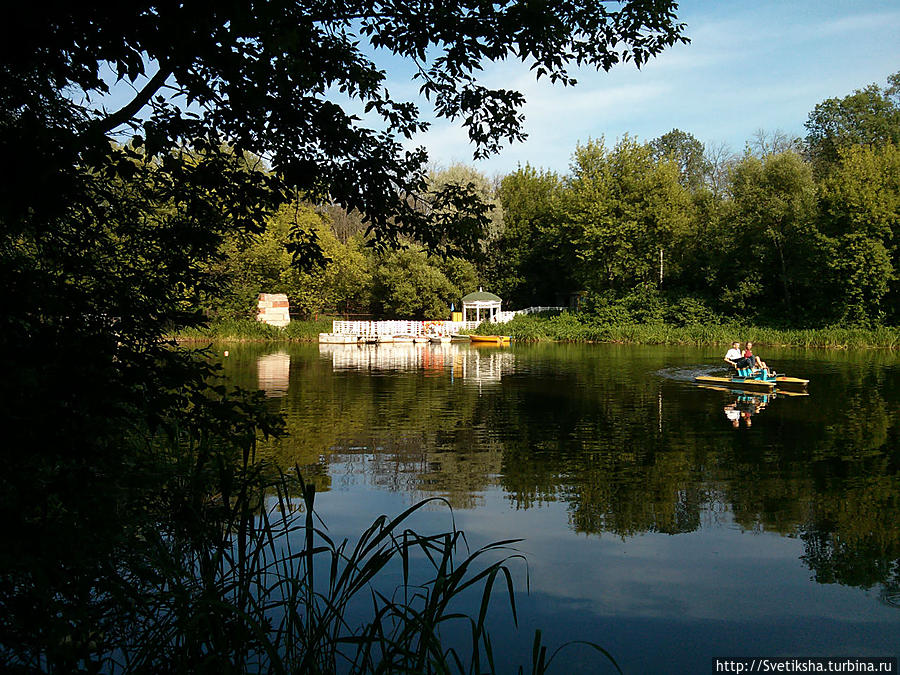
(574, 328)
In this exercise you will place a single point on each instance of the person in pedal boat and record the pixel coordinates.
(755, 361)
(735, 357)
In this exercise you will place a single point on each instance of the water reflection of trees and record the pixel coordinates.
(590, 437)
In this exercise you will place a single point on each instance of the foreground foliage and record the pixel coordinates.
(241, 578)
(126, 485)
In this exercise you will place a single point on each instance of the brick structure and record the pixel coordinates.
(274, 309)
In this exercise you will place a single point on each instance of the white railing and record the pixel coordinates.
(376, 328)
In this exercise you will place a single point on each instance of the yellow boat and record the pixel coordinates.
(490, 339)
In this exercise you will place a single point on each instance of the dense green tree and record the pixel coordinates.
(532, 262)
(687, 152)
(775, 239)
(461, 273)
(345, 280)
(628, 210)
(868, 116)
(409, 284)
(860, 272)
(862, 194)
(342, 283)
(262, 264)
(349, 276)
(860, 213)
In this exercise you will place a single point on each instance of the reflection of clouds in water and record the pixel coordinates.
(274, 372)
(460, 361)
(659, 575)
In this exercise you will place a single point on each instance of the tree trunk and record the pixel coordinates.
(784, 273)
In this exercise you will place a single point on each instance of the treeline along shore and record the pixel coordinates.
(649, 241)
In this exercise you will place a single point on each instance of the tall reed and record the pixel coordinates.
(253, 582)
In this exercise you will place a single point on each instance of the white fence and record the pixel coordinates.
(376, 328)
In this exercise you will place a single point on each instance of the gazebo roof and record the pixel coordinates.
(481, 296)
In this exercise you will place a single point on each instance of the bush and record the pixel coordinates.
(690, 311)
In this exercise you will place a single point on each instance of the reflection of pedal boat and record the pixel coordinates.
(791, 383)
(758, 383)
(734, 390)
(490, 339)
(737, 382)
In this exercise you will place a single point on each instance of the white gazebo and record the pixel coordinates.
(481, 306)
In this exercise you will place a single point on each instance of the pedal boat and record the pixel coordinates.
(756, 381)
(738, 382)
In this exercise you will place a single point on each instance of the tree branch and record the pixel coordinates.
(128, 111)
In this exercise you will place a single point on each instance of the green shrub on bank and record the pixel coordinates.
(646, 304)
(308, 329)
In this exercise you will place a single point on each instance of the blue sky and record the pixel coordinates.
(750, 66)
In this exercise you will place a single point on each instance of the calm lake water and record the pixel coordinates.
(666, 522)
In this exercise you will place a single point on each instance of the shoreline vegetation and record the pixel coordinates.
(569, 327)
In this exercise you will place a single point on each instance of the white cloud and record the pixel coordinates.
(857, 23)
